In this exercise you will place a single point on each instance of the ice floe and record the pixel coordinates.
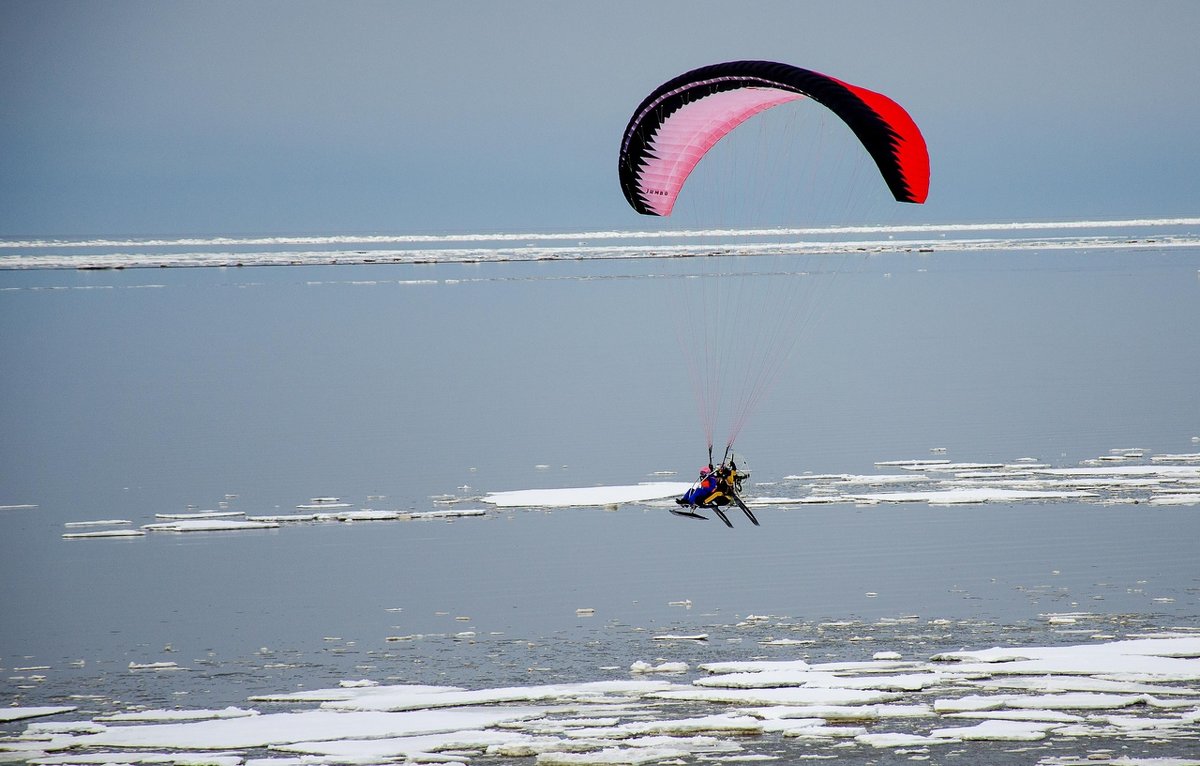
(104, 533)
(1157, 480)
(199, 515)
(284, 518)
(18, 713)
(208, 525)
(665, 667)
(142, 716)
(586, 496)
(1139, 688)
(371, 515)
(452, 513)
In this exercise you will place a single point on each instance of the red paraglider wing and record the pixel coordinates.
(685, 117)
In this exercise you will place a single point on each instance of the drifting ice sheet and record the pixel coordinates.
(17, 713)
(104, 533)
(578, 497)
(202, 525)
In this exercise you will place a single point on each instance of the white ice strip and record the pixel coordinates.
(405, 700)
(867, 479)
(276, 729)
(750, 666)
(419, 748)
(1183, 646)
(323, 506)
(949, 467)
(454, 513)
(1190, 457)
(973, 496)
(1161, 471)
(780, 696)
(18, 507)
(531, 746)
(1139, 723)
(816, 731)
(543, 726)
(98, 523)
(145, 716)
(1059, 683)
(343, 693)
(819, 680)
(100, 533)
(906, 464)
(154, 666)
(896, 739)
(1064, 701)
(642, 667)
(1091, 482)
(46, 730)
(1166, 659)
(369, 515)
(1052, 716)
(19, 713)
(1012, 731)
(612, 757)
(214, 525)
(284, 518)
(199, 515)
(840, 713)
(712, 724)
(1176, 499)
(682, 637)
(123, 757)
(1094, 701)
(766, 502)
(586, 496)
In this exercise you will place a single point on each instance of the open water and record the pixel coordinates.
(130, 392)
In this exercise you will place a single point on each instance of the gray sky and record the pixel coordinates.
(264, 117)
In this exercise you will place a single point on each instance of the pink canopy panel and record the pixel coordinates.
(690, 133)
(685, 117)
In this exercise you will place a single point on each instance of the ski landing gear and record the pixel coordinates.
(723, 485)
(714, 503)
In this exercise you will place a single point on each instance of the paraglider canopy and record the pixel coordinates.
(683, 118)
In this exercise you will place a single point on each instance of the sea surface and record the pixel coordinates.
(404, 375)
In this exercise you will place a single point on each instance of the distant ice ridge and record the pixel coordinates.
(542, 236)
(587, 245)
(1118, 694)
